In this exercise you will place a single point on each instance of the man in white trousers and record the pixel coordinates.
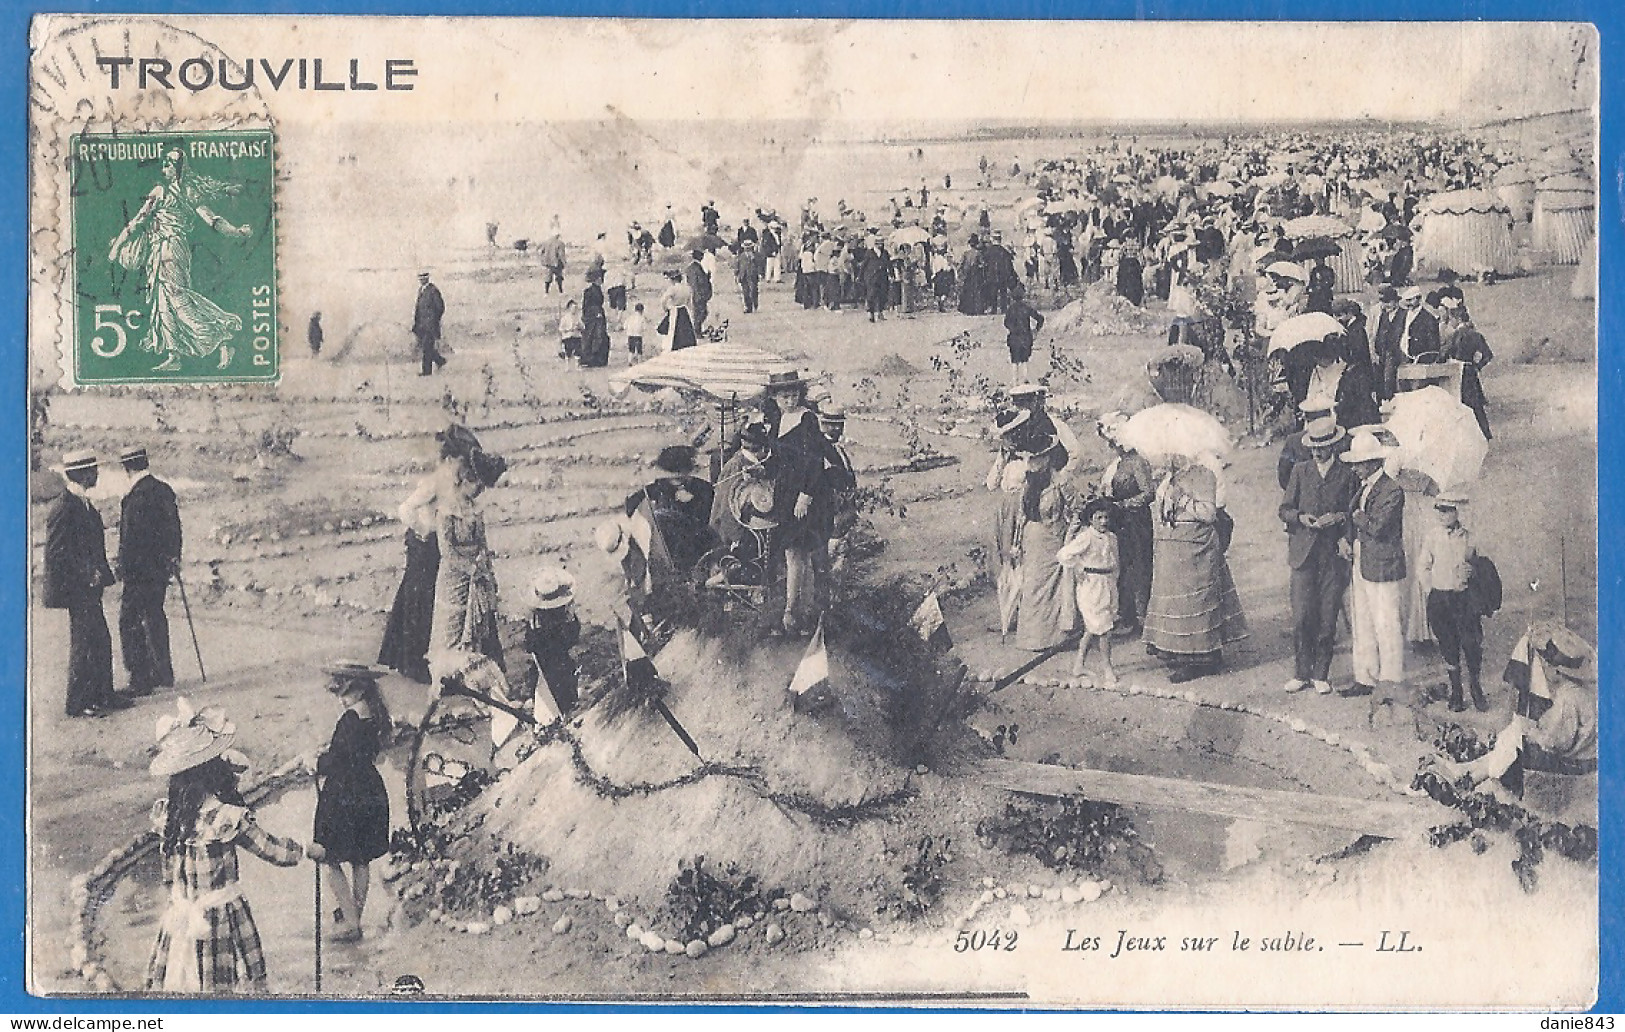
(1377, 543)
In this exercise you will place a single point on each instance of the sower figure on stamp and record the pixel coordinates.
(157, 242)
(149, 554)
(426, 324)
(76, 573)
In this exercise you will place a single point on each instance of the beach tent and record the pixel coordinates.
(1465, 230)
(1349, 264)
(1515, 185)
(1565, 208)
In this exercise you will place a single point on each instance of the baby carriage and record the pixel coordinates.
(739, 569)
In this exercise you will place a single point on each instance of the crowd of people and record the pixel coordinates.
(1082, 563)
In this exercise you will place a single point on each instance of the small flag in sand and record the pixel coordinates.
(930, 625)
(656, 552)
(814, 668)
(638, 667)
(545, 705)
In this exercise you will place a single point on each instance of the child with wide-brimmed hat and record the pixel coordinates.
(551, 632)
(207, 941)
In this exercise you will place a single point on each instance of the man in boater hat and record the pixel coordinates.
(149, 554)
(1315, 510)
(76, 573)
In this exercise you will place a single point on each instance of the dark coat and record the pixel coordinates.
(875, 272)
(1399, 266)
(1358, 346)
(798, 456)
(1379, 527)
(76, 568)
(1356, 402)
(681, 511)
(426, 316)
(1021, 321)
(699, 283)
(1386, 347)
(1308, 493)
(833, 494)
(1000, 264)
(149, 532)
(1423, 335)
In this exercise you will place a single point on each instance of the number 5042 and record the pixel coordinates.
(970, 942)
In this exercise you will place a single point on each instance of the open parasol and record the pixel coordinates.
(1315, 247)
(723, 372)
(1394, 231)
(909, 235)
(1301, 329)
(1437, 435)
(705, 242)
(1306, 226)
(1174, 429)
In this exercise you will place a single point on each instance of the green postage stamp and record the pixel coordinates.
(174, 244)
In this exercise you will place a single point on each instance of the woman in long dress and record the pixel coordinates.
(1462, 342)
(156, 242)
(1194, 610)
(972, 280)
(1006, 479)
(1420, 490)
(465, 590)
(405, 647)
(1127, 482)
(594, 323)
(677, 301)
(1049, 608)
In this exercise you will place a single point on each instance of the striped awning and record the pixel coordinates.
(724, 371)
(1464, 202)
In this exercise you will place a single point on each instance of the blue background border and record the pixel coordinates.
(1609, 17)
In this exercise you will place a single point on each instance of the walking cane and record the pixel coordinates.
(187, 607)
(318, 869)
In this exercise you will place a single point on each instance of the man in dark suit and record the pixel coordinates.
(832, 502)
(1385, 342)
(1421, 336)
(149, 553)
(1376, 543)
(1001, 266)
(1315, 510)
(76, 573)
(431, 307)
(699, 285)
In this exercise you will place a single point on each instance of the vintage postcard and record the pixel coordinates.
(942, 513)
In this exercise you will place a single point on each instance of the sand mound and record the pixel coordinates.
(893, 364)
(804, 803)
(1102, 313)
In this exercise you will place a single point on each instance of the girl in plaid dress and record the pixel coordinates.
(207, 941)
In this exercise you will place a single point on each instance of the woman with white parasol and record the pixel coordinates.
(1194, 610)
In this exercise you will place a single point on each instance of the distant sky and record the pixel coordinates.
(519, 70)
